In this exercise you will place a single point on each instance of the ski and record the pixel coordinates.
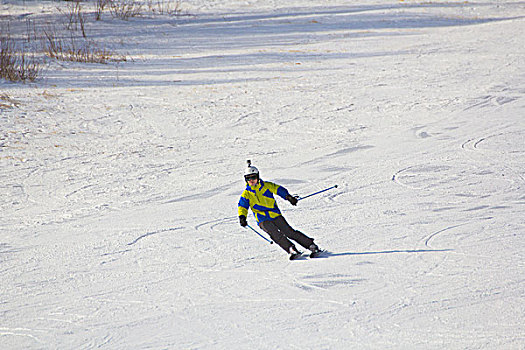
(301, 256)
(316, 254)
(296, 256)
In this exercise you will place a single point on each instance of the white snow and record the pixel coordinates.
(119, 182)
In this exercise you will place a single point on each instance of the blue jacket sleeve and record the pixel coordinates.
(282, 192)
(244, 204)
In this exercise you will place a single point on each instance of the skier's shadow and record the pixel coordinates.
(328, 254)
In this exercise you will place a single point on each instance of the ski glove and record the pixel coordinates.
(291, 199)
(242, 220)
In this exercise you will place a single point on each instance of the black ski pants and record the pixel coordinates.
(281, 232)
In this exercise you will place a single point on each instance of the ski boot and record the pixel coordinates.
(294, 253)
(315, 251)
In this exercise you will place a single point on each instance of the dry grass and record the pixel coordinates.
(23, 59)
(76, 50)
(100, 6)
(15, 63)
(170, 7)
(125, 9)
(8, 102)
(76, 17)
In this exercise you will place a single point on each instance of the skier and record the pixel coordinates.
(258, 196)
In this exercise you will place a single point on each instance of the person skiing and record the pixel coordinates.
(258, 196)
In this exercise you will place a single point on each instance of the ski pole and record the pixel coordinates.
(313, 194)
(254, 230)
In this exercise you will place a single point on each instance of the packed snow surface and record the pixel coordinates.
(119, 182)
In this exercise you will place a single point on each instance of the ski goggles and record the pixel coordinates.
(251, 177)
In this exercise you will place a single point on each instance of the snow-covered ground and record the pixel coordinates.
(119, 183)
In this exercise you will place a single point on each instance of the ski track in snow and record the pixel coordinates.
(120, 181)
(153, 233)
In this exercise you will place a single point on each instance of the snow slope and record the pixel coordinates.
(119, 182)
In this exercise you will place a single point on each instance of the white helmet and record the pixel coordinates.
(250, 171)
